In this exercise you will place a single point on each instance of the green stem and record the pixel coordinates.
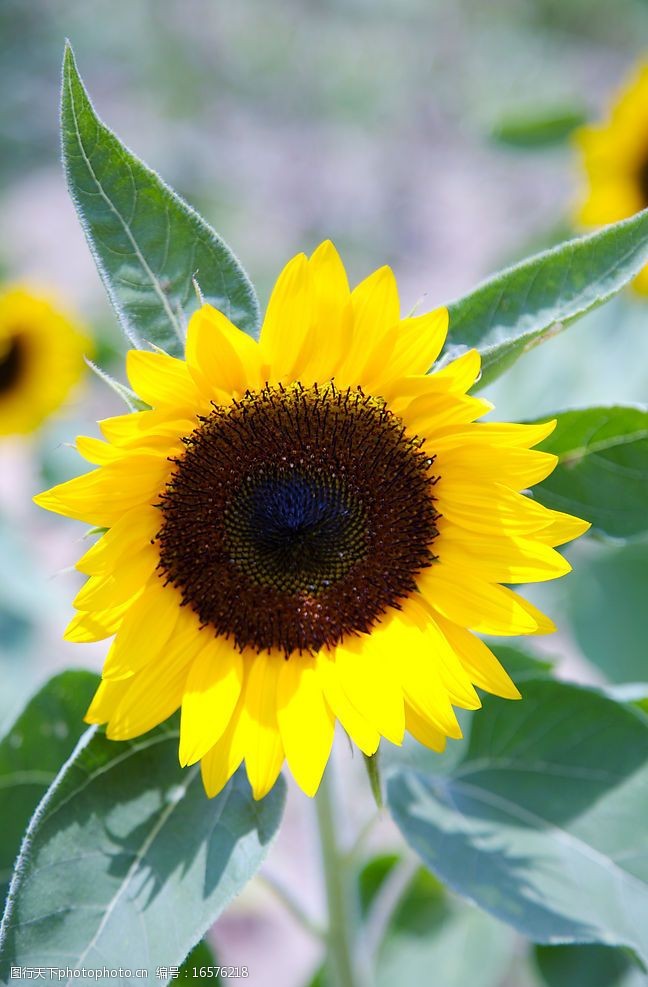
(291, 904)
(341, 896)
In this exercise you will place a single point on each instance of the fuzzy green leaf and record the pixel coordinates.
(540, 817)
(602, 472)
(127, 862)
(526, 304)
(32, 752)
(148, 244)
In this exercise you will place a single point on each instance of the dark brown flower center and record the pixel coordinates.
(642, 180)
(297, 516)
(12, 358)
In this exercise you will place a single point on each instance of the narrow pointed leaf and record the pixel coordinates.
(127, 862)
(542, 126)
(148, 244)
(526, 304)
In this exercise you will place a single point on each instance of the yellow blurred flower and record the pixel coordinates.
(307, 529)
(41, 358)
(615, 159)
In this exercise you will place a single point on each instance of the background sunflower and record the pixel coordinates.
(615, 160)
(41, 359)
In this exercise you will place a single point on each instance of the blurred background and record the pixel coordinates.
(432, 135)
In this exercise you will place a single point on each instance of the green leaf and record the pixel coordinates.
(519, 664)
(147, 243)
(127, 862)
(428, 929)
(606, 607)
(527, 304)
(372, 877)
(591, 966)
(32, 752)
(538, 127)
(200, 958)
(540, 820)
(433, 931)
(602, 472)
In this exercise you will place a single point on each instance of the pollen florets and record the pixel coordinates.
(297, 516)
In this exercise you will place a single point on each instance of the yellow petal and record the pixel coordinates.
(429, 680)
(460, 374)
(330, 284)
(120, 583)
(423, 731)
(153, 694)
(264, 753)
(104, 495)
(376, 309)
(286, 340)
(417, 343)
(481, 507)
(331, 317)
(219, 764)
(162, 380)
(358, 728)
(148, 428)
(479, 661)
(97, 625)
(222, 359)
(435, 646)
(434, 412)
(97, 452)
(146, 630)
(133, 531)
(562, 528)
(499, 558)
(211, 693)
(106, 699)
(372, 685)
(495, 434)
(472, 602)
(518, 468)
(305, 721)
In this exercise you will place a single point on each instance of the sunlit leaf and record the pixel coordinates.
(147, 243)
(127, 862)
(32, 752)
(526, 304)
(540, 818)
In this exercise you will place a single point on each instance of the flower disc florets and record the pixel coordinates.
(297, 516)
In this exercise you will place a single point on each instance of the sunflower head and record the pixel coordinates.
(305, 530)
(41, 359)
(614, 155)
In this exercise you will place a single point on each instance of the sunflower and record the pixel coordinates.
(306, 529)
(41, 358)
(615, 160)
